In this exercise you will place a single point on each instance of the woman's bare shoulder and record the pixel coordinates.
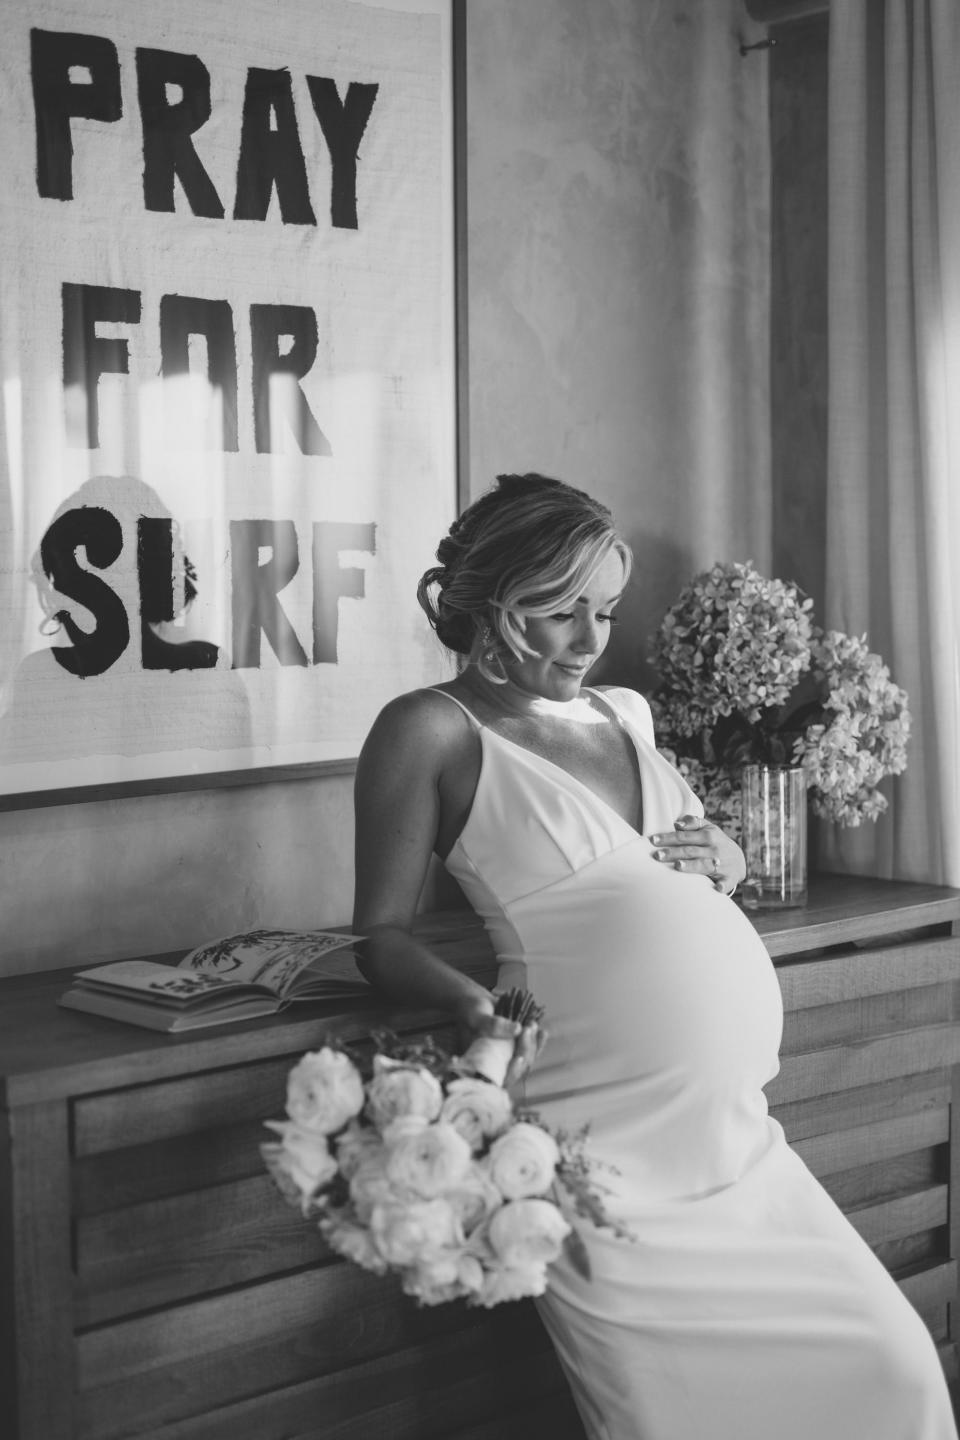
(421, 722)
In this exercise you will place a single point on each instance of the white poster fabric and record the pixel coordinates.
(227, 440)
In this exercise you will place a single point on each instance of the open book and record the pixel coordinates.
(236, 978)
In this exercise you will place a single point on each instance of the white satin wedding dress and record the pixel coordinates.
(746, 1307)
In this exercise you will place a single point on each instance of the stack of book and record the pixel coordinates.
(237, 978)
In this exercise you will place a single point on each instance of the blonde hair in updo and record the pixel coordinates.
(528, 547)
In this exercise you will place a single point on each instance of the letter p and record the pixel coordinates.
(57, 97)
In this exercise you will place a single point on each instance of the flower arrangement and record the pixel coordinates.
(425, 1170)
(746, 676)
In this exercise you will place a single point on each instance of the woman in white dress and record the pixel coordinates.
(745, 1306)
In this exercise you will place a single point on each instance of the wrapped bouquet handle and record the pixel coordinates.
(503, 1059)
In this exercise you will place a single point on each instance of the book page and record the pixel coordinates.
(151, 980)
(275, 958)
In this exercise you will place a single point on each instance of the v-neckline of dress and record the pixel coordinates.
(574, 779)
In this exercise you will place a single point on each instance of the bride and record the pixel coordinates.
(745, 1305)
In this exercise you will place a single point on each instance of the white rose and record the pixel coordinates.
(435, 1282)
(506, 1283)
(477, 1109)
(324, 1091)
(397, 1089)
(355, 1243)
(403, 1127)
(526, 1233)
(429, 1161)
(354, 1145)
(470, 1273)
(411, 1233)
(438, 1267)
(523, 1161)
(474, 1199)
(300, 1163)
(369, 1186)
(416, 1284)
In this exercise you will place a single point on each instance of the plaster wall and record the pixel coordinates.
(619, 259)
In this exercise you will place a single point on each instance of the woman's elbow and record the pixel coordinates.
(379, 944)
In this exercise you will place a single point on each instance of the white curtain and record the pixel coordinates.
(893, 514)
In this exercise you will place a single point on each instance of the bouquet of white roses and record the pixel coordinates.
(746, 676)
(425, 1170)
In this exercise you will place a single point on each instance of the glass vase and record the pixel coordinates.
(774, 836)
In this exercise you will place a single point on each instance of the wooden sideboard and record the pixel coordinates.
(152, 1283)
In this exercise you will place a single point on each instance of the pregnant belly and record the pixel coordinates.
(664, 1020)
(645, 971)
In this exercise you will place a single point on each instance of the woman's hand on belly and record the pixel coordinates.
(699, 847)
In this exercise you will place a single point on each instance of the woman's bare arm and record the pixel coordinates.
(397, 802)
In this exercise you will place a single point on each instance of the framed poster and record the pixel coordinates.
(228, 419)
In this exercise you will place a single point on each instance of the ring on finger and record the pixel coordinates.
(715, 867)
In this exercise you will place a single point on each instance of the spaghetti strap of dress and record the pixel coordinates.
(435, 690)
(606, 704)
